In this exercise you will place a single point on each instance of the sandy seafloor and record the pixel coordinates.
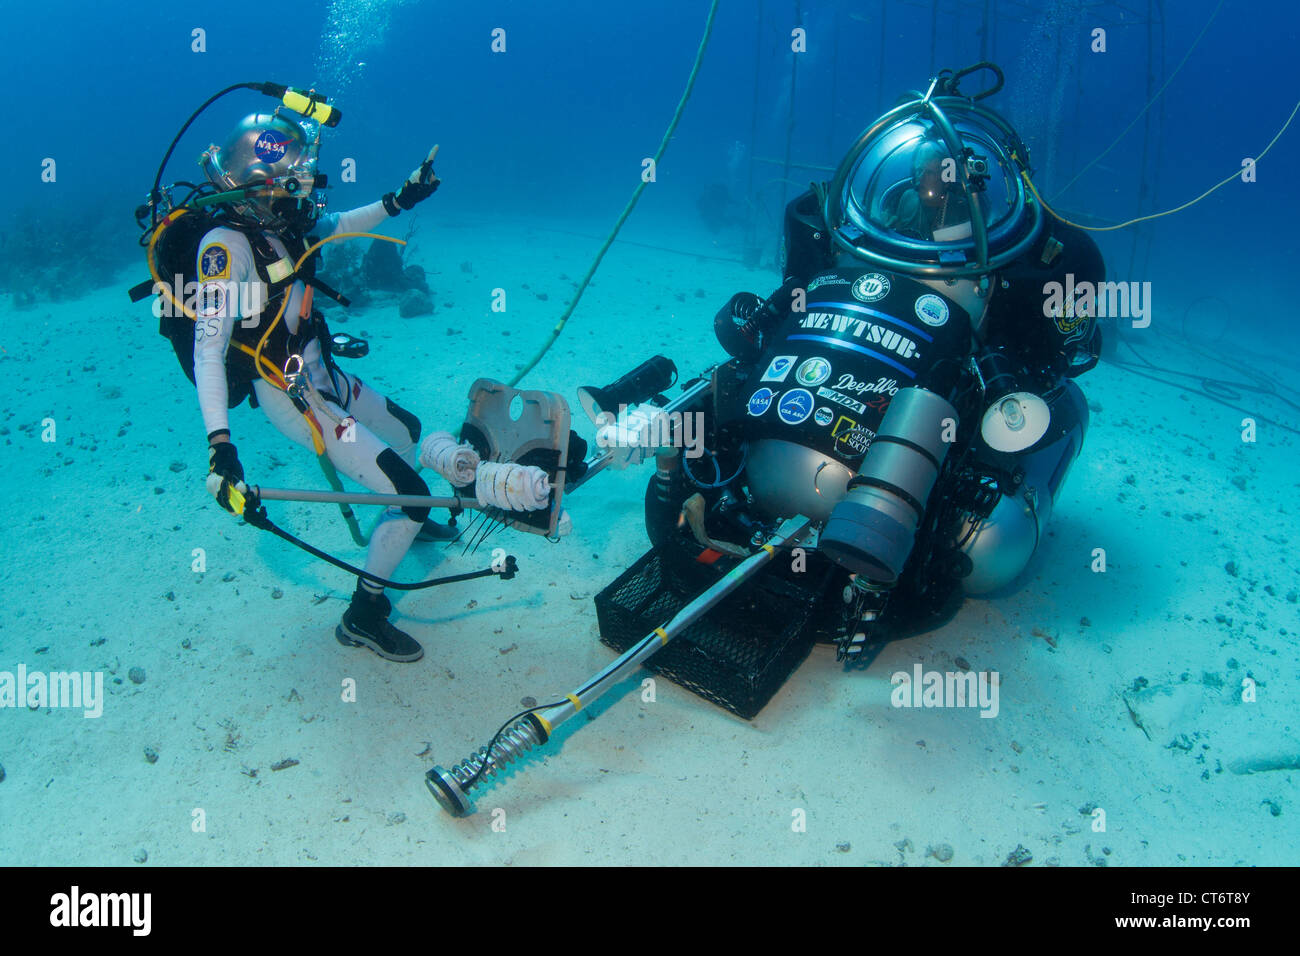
(242, 670)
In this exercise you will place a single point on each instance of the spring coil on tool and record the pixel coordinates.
(513, 743)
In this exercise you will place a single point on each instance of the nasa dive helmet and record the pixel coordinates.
(277, 157)
(933, 188)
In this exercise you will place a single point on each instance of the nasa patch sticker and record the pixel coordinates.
(795, 406)
(214, 262)
(779, 368)
(823, 416)
(871, 287)
(270, 146)
(932, 310)
(813, 372)
(760, 401)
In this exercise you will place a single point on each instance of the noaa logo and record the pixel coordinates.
(796, 405)
(814, 371)
(760, 401)
(270, 147)
(823, 416)
(932, 310)
(779, 368)
(871, 287)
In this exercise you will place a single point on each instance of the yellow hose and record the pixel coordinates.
(166, 291)
(284, 301)
(1168, 212)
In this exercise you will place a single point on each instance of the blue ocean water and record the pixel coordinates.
(541, 145)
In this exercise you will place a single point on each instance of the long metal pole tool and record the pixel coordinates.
(533, 728)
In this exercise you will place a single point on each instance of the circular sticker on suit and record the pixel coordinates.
(823, 416)
(871, 287)
(760, 401)
(795, 406)
(813, 372)
(932, 310)
(212, 299)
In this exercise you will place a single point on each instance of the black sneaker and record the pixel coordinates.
(365, 623)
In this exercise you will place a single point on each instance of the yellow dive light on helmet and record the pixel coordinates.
(305, 103)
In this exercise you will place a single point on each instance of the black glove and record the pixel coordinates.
(419, 186)
(226, 477)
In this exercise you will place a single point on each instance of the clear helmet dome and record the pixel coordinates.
(934, 189)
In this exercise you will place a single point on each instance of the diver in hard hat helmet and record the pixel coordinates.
(275, 151)
(256, 326)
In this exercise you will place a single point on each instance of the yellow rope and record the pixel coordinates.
(627, 210)
(1142, 112)
(1168, 212)
(284, 301)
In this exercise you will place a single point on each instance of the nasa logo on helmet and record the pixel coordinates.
(270, 147)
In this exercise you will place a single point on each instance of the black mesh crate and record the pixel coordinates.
(737, 655)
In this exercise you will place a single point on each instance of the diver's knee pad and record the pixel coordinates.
(405, 481)
(408, 420)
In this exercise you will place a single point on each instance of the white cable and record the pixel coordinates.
(456, 462)
(503, 484)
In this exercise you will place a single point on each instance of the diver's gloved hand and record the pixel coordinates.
(226, 477)
(419, 186)
(737, 328)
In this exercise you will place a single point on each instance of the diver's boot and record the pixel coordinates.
(365, 623)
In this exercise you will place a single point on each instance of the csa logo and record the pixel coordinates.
(813, 372)
(871, 287)
(270, 146)
(779, 368)
(760, 401)
(796, 406)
